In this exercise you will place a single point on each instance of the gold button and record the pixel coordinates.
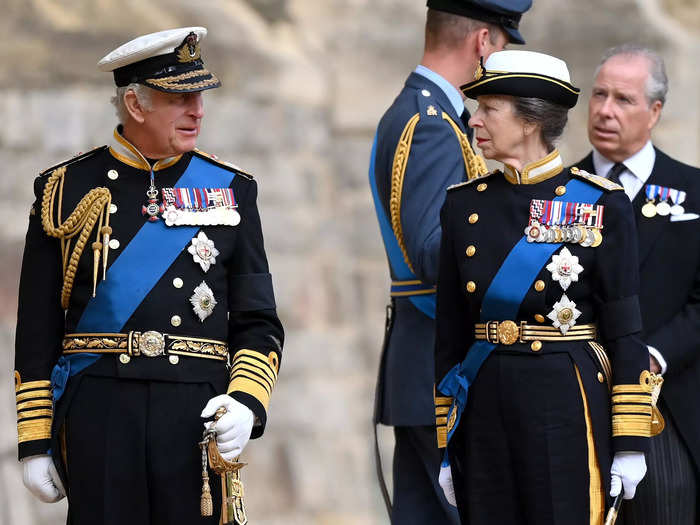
(114, 243)
(481, 187)
(471, 250)
(112, 174)
(601, 378)
(175, 320)
(124, 358)
(539, 318)
(539, 285)
(471, 286)
(561, 190)
(112, 208)
(177, 282)
(473, 218)
(536, 346)
(173, 359)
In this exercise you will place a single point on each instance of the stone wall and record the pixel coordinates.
(305, 83)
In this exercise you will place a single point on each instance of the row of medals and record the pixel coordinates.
(663, 208)
(575, 234)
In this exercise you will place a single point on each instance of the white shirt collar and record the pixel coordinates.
(641, 164)
(454, 96)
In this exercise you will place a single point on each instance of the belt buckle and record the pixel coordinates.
(152, 343)
(508, 332)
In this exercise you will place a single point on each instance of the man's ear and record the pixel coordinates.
(135, 109)
(482, 41)
(655, 109)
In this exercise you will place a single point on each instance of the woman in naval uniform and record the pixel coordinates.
(538, 286)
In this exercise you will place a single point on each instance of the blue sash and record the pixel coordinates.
(135, 272)
(425, 303)
(145, 259)
(502, 301)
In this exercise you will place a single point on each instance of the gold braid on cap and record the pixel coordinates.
(92, 208)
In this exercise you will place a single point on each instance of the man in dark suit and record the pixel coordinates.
(626, 102)
(422, 146)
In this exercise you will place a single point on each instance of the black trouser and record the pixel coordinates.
(418, 497)
(132, 454)
(520, 454)
(668, 493)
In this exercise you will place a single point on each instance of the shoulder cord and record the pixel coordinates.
(92, 208)
(474, 164)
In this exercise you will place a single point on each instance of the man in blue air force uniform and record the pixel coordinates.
(145, 305)
(422, 146)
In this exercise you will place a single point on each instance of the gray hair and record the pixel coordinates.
(551, 118)
(657, 81)
(143, 95)
(448, 30)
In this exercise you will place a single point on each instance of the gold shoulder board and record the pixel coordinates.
(216, 160)
(75, 158)
(602, 182)
(470, 181)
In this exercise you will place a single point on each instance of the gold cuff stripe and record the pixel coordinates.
(442, 411)
(34, 384)
(252, 377)
(257, 364)
(443, 401)
(632, 409)
(630, 398)
(628, 428)
(270, 361)
(442, 437)
(33, 403)
(474, 164)
(251, 370)
(631, 389)
(398, 172)
(34, 413)
(34, 394)
(439, 421)
(243, 384)
(34, 429)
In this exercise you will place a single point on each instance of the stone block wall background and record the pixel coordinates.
(304, 85)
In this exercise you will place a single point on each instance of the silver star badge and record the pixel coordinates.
(203, 251)
(565, 268)
(203, 301)
(564, 314)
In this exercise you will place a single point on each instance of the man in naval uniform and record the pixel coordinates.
(422, 146)
(628, 95)
(145, 305)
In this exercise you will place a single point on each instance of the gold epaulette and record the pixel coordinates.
(474, 164)
(442, 424)
(602, 182)
(254, 373)
(634, 411)
(75, 158)
(34, 409)
(468, 182)
(216, 160)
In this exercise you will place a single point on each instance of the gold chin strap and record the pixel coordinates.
(93, 208)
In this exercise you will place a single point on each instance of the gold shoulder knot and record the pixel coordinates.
(602, 182)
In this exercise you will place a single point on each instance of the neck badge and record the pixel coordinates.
(200, 207)
(151, 209)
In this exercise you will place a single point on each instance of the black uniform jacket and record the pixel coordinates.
(244, 316)
(482, 221)
(669, 270)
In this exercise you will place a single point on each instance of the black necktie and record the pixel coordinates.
(615, 171)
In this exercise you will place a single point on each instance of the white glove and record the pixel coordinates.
(445, 480)
(41, 478)
(628, 469)
(233, 428)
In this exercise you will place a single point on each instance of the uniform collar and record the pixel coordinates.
(535, 172)
(124, 151)
(452, 93)
(641, 164)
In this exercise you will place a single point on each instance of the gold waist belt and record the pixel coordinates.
(146, 344)
(510, 332)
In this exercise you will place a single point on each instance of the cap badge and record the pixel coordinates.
(189, 50)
